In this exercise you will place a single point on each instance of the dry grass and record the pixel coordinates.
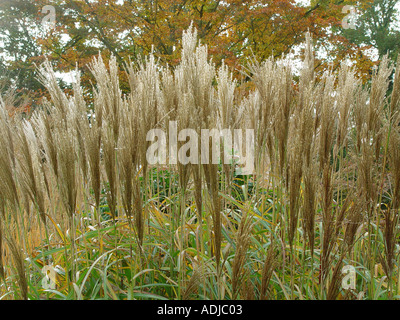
(78, 193)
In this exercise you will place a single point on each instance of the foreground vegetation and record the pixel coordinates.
(79, 195)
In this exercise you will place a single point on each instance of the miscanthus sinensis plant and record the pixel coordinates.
(83, 215)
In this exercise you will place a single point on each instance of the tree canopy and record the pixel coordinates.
(234, 31)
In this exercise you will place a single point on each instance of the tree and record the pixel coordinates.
(19, 49)
(375, 27)
(233, 30)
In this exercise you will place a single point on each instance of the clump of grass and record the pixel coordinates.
(79, 195)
